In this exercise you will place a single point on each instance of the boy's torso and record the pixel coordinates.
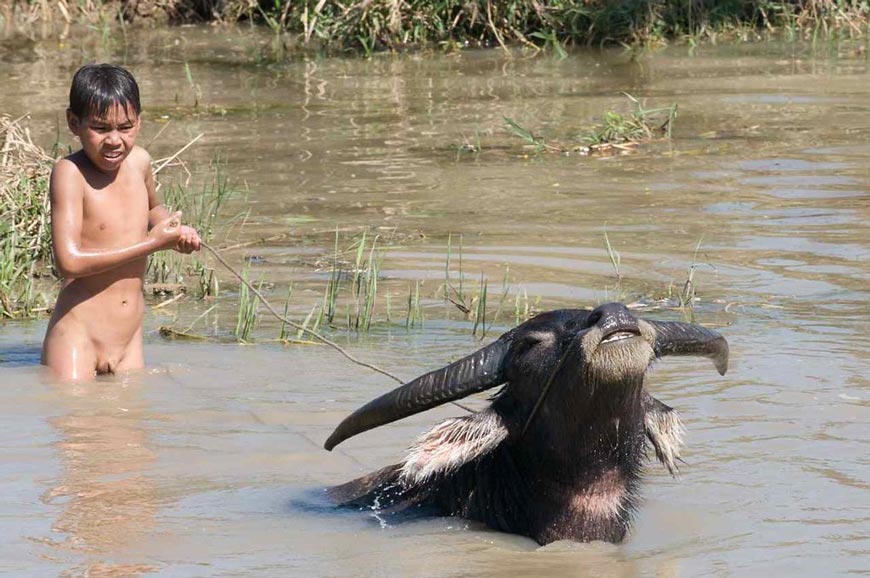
(108, 306)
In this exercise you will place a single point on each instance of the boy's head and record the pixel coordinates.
(97, 87)
(104, 113)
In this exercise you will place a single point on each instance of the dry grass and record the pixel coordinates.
(365, 26)
(25, 236)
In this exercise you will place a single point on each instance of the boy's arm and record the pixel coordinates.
(66, 192)
(189, 239)
(157, 211)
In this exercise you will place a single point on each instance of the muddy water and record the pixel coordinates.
(210, 463)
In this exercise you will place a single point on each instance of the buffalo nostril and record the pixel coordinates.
(607, 311)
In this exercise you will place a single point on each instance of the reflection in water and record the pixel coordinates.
(108, 499)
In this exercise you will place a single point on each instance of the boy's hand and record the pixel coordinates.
(168, 231)
(189, 240)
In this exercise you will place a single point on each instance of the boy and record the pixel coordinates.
(105, 221)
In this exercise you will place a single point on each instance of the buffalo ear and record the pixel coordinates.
(451, 444)
(665, 431)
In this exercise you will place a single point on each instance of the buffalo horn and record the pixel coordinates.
(479, 371)
(675, 338)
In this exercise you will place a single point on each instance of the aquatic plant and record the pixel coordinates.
(473, 305)
(283, 335)
(361, 278)
(687, 295)
(454, 293)
(640, 125)
(169, 271)
(247, 314)
(415, 310)
(480, 311)
(617, 131)
(613, 254)
(537, 143)
(364, 284)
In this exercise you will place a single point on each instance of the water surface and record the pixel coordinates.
(210, 463)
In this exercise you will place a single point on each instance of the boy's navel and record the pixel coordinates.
(102, 226)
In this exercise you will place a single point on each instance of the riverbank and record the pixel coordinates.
(366, 26)
(25, 239)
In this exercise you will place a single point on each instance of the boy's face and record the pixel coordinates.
(106, 140)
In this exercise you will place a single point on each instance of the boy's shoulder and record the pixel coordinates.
(139, 158)
(69, 167)
(139, 154)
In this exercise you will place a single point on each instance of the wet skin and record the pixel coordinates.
(106, 220)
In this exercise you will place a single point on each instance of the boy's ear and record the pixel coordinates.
(73, 121)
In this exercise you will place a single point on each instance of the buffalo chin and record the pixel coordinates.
(619, 356)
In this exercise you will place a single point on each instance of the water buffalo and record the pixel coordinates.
(559, 452)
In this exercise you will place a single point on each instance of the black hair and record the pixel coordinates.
(97, 87)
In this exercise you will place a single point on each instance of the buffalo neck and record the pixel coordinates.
(582, 433)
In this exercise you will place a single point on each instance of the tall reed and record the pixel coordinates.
(202, 209)
(26, 273)
(415, 310)
(366, 26)
(247, 314)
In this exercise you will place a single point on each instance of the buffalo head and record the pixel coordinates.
(559, 451)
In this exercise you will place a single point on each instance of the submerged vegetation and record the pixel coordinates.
(366, 26)
(354, 301)
(617, 132)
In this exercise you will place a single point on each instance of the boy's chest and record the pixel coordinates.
(116, 214)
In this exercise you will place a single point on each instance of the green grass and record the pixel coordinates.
(247, 314)
(360, 278)
(27, 280)
(639, 125)
(367, 26)
(688, 295)
(202, 208)
(414, 317)
(613, 255)
(616, 131)
(355, 294)
(284, 334)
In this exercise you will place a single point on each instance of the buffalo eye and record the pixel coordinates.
(533, 340)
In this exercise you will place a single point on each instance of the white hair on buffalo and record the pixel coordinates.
(450, 444)
(665, 431)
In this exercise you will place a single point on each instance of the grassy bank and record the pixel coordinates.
(26, 277)
(369, 25)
